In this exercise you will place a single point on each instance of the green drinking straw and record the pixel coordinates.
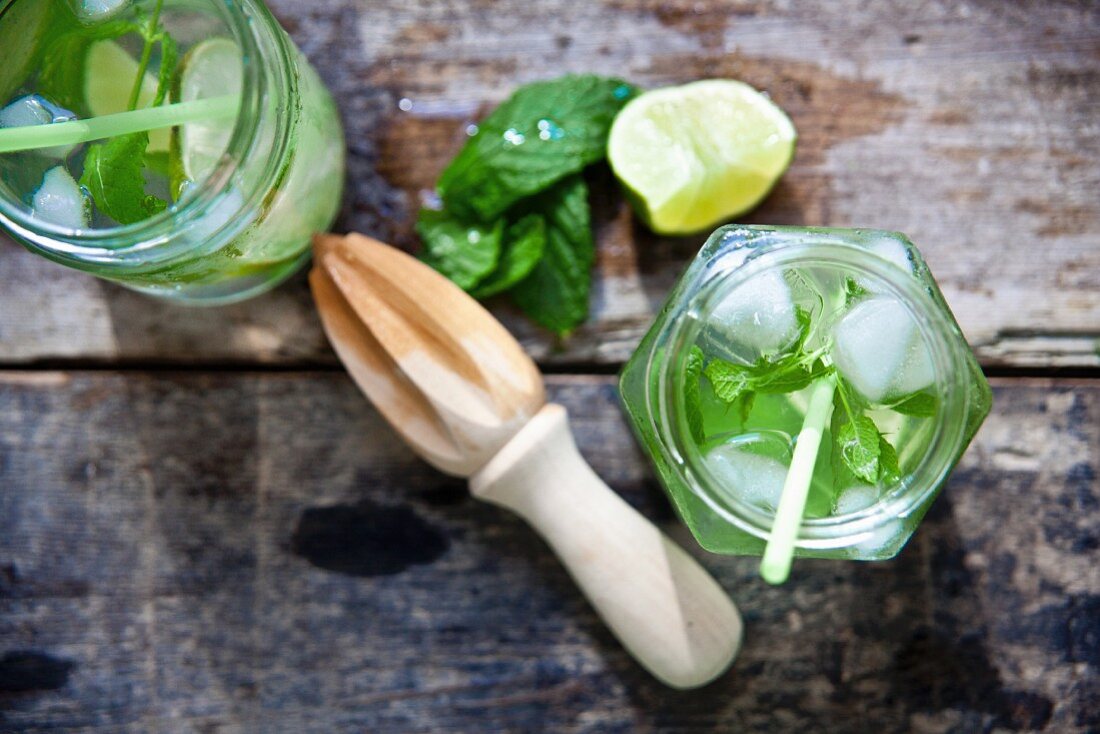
(775, 566)
(29, 137)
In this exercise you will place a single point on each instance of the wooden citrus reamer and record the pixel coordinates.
(464, 395)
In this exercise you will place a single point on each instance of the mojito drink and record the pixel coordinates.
(774, 333)
(215, 150)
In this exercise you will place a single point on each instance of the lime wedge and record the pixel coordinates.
(211, 68)
(699, 154)
(109, 73)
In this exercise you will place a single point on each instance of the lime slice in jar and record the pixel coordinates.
(109, 73)
(23, 25)
(699, 154)
(212, 68)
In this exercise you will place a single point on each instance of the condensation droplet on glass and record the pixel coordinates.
(429, 199)
(405, 104)
(513, 136)
(471, 129)
(549, 130)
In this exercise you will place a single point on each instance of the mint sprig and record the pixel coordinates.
(788, 372)
(152, 36)
(520, 172)
(544, 132)
(860, 452)
(114, 169)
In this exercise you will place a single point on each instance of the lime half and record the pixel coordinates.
(109, 73)
(699, 154)
(211, 68)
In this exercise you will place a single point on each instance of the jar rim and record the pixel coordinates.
(150, 238)
(821, 247)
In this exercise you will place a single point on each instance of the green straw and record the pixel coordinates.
(775, 566)
(29, 137)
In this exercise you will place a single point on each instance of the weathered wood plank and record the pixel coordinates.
(239, 552)
(970, 126)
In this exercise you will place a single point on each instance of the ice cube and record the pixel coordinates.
(892, 250)
(888, 249)
(33, 109)
(747, 476)
(61, 200)
(756, 319)
(879, 349)
(855, 498)
(97, 10)
(882, 542)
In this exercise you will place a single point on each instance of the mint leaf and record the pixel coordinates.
(169, 53)
(791, 372)
(544, 132)
(805, 324)
(860, 452)
(525, 241)
(889, 469)
(555, 294)
(747, 401)
(784, 379)
(729, 381)
(843, 478)
(463, 251)
(855, 445)
(860, 447)
(733, 384)
(853, 291)
(521, 168)
(112, 174)
(919, 404)
(693, 401)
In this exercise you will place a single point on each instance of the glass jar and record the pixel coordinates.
(722, 513)
(247, 226)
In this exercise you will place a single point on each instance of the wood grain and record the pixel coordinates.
(243, 552)
(969, 126)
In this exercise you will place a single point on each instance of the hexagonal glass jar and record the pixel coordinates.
(882, 275)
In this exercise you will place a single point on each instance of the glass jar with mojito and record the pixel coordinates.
(808, 377)
(183, 148)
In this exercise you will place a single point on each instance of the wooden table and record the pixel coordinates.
(204, 528)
